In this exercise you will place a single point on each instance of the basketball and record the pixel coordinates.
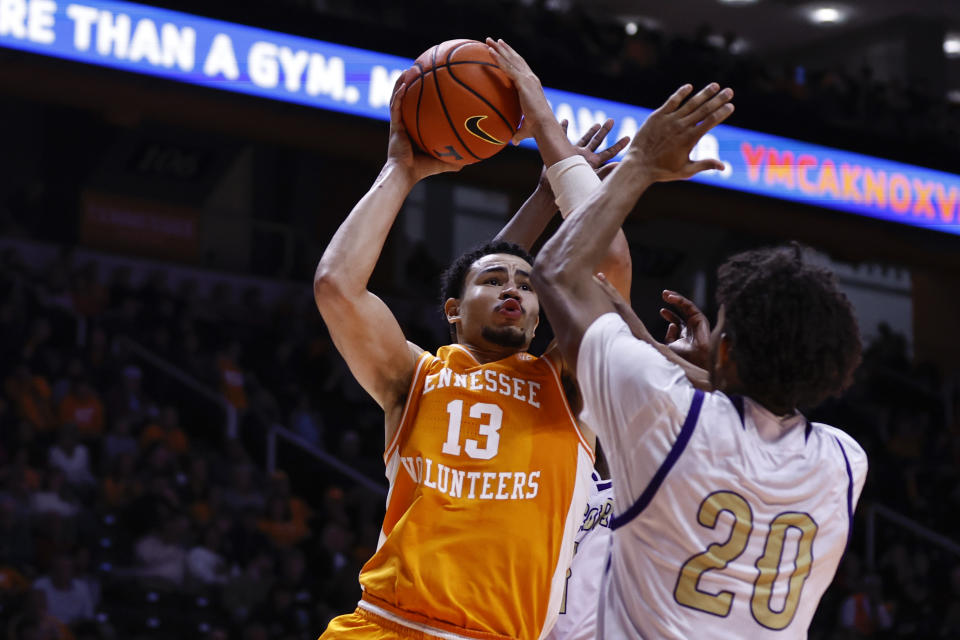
(459, 106)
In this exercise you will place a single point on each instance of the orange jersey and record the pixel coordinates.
(489, 476)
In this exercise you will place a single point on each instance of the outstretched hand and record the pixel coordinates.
(401, 150)
(662, 146)
(591, 140)
(688, 334)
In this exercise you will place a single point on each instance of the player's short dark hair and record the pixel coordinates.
(454, 276)
(795, 338)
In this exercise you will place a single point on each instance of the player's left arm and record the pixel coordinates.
(660, 151)
(571, 169)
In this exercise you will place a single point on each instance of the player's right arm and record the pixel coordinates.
(362, 327)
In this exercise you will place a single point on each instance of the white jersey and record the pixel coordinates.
(578, 609)
(730, 522)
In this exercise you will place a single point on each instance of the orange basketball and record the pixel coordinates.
(459, 106)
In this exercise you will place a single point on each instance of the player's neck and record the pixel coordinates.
(489, 353)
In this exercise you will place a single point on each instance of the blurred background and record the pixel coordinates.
(183, 453)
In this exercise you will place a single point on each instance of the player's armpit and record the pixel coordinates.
(370, 340)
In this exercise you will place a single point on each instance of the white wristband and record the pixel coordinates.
(572, 181)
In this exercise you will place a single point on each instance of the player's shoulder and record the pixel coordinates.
(850, 451)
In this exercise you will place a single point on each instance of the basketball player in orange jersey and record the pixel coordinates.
(489, 470)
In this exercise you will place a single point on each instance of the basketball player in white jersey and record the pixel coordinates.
(732, 511)
(578, 609)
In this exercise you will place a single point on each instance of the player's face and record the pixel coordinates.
(498, 308)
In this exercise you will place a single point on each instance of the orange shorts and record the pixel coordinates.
(364, 625)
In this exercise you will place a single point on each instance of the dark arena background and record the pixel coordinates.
(179, 439)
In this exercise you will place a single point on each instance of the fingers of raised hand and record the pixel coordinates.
(685, 305)
(673, 333)
(693, 168)
(674, 101)
(698, 99)
(608, 288)
(588, 137)
(600, 134)
(614, 149)
(671, 317)
(715, 117)
(398, 89)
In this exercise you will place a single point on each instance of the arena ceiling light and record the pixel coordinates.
(951, 45)
(630, 28)
(827, 14)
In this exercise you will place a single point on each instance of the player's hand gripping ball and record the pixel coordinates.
(459, 106)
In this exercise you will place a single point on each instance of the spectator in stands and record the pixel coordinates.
(35, 622)
(56, 497)
(245, 541)
(307, 423)
(72, 374)
(161, 557)
(865, 613)
(16, 546)
(166, 429)
(82, 406)
(244, 592)
(90, 298)
(121, 486)
(242, 494)
(951, 620)
(32, 396)
(19, 479)
(231, 375)
(128, 400)
(205, 563)
(68, 599)
(195, 492)
(280, 525)
(72, 457)
(117, 442)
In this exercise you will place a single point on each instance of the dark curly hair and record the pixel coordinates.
(454, 276)
(794, 336)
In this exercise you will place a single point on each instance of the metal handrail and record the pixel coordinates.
(282, 432)
(231, 422)
(874, 510)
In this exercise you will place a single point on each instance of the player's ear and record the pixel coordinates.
(451, 309)
(726, 363)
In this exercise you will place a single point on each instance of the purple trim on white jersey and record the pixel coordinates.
(849, 489)
(686, 431)
(738, 405)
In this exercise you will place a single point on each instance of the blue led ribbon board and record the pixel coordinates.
(231, 57)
